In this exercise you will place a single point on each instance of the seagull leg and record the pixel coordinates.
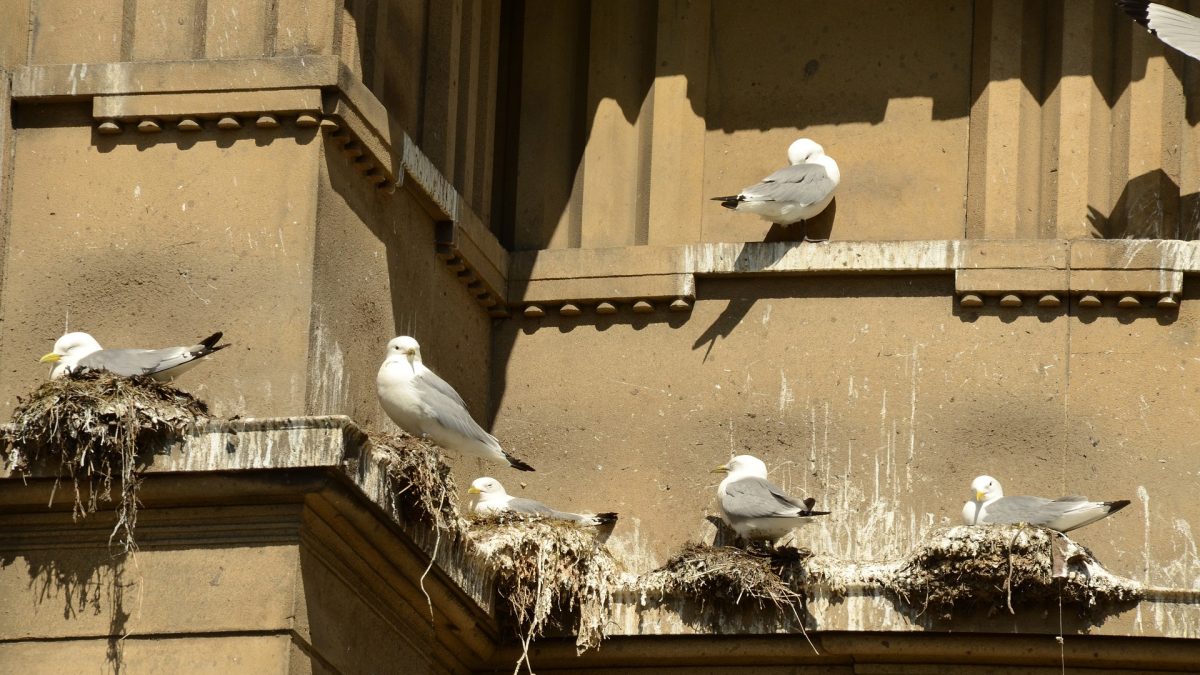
(810, 240)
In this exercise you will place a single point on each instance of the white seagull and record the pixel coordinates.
(79, 351)
(989, 505)
(792, 194)
(755, 507)
(489, 498)
(424, 405)
(1175, 28)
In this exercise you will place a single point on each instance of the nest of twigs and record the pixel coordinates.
(92, 425)
(1004, 567)
(726, 577)
(550, 573)
(421, 485)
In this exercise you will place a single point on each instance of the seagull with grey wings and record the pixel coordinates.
(489, 498)
(80, 351)
(794, 193)
(756, 508)
(1175, 28)
(424, 405)
(989, 505)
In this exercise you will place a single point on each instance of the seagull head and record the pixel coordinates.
(405, 347)
(68, 351)
(486, 487)
(804, 150)
(743, 466)
(986, 489)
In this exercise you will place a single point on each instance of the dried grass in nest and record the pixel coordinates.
(422, 487)
(1001, 567)
(93, 423)
(725, 576)
(547, 570)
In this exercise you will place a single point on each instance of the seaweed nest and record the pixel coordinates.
(725, 576)
(547, 571)
(93, 424)
(421, 485)
(1001, 567)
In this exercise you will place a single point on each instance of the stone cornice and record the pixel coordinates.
(262, 470)
(1008, 273)
(312, 90)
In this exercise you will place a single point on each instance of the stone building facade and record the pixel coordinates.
(1008, 288)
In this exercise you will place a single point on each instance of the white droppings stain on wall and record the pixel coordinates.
(785, 392)
(327, 373)
(1144, 498)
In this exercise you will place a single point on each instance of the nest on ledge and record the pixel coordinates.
(550, 572)
(92, 424)
(1003, 567)
(726, 575)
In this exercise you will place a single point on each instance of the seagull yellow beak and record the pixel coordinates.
(979, 496)
(49, 358)
(724, 468)
(474, 490)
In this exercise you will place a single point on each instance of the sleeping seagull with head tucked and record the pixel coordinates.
(488, 498)
(989, 505)
(80, 351)
(424, 405)
(755, 507)
(792, 194)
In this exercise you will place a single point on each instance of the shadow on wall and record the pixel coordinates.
(87, 581)
(769, 65)
(743, 293)
(1150, 207)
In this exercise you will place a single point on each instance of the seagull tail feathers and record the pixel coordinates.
(1138, 10)
(1113, 507)
(209, 345)
(606, 518)
(517, 464)
(730, 202)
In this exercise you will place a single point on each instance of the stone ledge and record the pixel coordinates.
(331, 442)
(1151, 270)
(236, 465)
(82, 80)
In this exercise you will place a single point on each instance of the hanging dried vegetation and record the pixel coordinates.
(93, 424)
(421, 485)
(547, 571)
(725, 576)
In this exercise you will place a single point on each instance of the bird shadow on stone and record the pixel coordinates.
(1150, 207)
(814, 231)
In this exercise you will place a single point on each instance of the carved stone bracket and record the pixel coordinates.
(1131, 274)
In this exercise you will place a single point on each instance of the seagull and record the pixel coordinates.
(755, 507)
(424, 405)
(80, 351)
(488, 498)
(796, 193)
(1173, 27)
(1063, 514)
